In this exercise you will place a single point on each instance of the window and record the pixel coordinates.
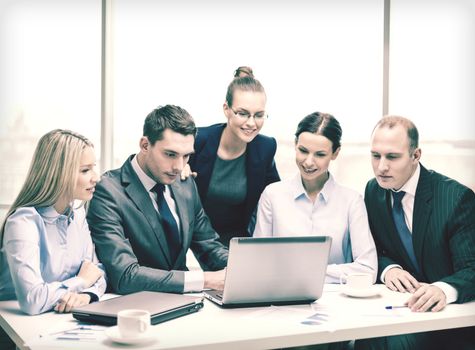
(432, 80)
(50, 69)
(309, 55)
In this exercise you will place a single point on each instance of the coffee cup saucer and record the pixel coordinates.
(114, 335)
(360, 292)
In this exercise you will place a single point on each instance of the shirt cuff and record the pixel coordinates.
(387, 269)
(333, 274)
(93, 297)
(450, 292)
(74, 284)
(194, 281)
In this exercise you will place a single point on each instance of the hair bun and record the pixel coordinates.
(243, 71)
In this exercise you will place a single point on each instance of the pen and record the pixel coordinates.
(390, 307)
(68, 330)
(75, 338)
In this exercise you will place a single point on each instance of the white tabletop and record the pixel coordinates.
(340, 318)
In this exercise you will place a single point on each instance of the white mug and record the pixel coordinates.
(133, 323)
(357, 280)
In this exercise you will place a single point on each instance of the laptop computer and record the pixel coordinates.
(162, 307)
(273, 271)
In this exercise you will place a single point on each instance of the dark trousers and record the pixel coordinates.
(5, 342)
(345, 345)
(458, 338)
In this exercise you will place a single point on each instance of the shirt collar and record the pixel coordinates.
(328, 188)
(298, 189)
(411, 185)
(146, 180)
(50, 215)
(297, 186)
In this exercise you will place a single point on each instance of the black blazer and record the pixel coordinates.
(130, 240)
(443, 232)
(260, 166)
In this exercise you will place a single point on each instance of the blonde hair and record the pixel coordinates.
(53, 171)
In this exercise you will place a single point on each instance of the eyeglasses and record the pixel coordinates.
(245, 115)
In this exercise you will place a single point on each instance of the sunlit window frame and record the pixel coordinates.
(107, 64)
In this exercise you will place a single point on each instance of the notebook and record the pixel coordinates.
(162, 307)
(273, 271)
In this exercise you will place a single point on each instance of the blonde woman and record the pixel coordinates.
(47, 258)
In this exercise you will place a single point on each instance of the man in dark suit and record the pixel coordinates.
(436, 263)
(143, 221)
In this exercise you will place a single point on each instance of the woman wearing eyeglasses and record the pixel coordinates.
(232, 161)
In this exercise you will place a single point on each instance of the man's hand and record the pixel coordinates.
(214, 279)
(90, 273)
(70, 300)
(186, 172)
(427, 297)
(400, 280)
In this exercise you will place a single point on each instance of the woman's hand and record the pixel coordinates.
(70, 300)
(186, 172)
(90, 273)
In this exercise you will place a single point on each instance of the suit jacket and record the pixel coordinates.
(130, 240)
(443, 232)
(260, 166)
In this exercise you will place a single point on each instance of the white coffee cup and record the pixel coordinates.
(133, 323)
(357, 281)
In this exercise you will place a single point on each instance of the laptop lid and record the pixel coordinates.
(273, 271)
(162, 307)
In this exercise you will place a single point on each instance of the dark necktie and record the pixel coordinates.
(402, 229)
(168, 222)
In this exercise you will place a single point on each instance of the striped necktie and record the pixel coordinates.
(402, 229)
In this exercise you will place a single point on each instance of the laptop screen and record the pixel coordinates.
(269, 270)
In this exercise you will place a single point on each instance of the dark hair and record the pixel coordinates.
(243, 71)
(391, 121)
(168, 117)
(244, 80)
(321, 124)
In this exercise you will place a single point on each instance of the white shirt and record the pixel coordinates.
(286, 210)
(407, 203)
(194, 280)
(45, 250)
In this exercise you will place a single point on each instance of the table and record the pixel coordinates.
(344, 318)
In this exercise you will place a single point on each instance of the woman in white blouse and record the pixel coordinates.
(47, 259)
(314, 204)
